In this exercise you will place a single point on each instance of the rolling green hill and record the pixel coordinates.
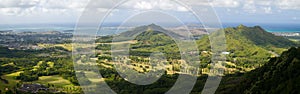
(236, 36)
(262, 38)
(138, 30)
(250, 46)
(154, 38)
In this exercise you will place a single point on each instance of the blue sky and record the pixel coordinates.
(69, 11)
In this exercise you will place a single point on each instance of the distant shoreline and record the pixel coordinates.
(271, 27)
(282, 31)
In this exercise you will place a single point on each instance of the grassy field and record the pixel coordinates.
(58, 82)
(11, 81)
(93, 77)
(55, 80)
(69, 47)
(122, 42)
(65, 46)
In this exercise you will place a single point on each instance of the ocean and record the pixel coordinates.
(111, 28)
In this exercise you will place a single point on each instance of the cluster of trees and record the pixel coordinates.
(104, 47)
(8, 68)
(42, 69)
(104, 39)
(33, 66)
(155, 41)
(28, 76)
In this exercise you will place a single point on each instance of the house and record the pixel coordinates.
(33, 88)
(225, 53)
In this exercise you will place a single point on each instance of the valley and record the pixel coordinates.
(251, 52)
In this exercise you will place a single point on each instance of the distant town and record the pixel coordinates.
(30, 40)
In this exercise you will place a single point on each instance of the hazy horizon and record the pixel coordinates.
(228, 11)
(270, 27)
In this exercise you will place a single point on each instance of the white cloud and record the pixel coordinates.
(196, 2)
(154, 5)
(254, 6)
(27, 7)
(17, 3)
(268, 10)
(11, 11)
(143, 5)
(264, 2)
(180, 8)
(247, 6)
(13, 7)
(72, 7)
(250, 6)
(226, 3)
(288, 4)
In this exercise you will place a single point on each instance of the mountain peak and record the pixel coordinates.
(258, 36)
(241, 26)
(152, 24)
(150, 27)
(154, 27)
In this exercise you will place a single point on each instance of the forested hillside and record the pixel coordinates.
(280, 75)
(250, 46)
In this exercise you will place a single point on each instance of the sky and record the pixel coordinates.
(69, 11)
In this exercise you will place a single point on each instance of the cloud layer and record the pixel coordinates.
(43, 11)
(27, 7)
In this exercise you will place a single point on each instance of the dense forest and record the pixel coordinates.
(279, 75)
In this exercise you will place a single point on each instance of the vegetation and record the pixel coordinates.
(279, 75)
(250, 46)
(253, 58)
(33, 65)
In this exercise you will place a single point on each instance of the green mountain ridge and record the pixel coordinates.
(250, 46)
(261, 37)
(153, 38)
(256, 35)
(138, 30)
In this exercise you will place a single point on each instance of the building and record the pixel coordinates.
(33, 88)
